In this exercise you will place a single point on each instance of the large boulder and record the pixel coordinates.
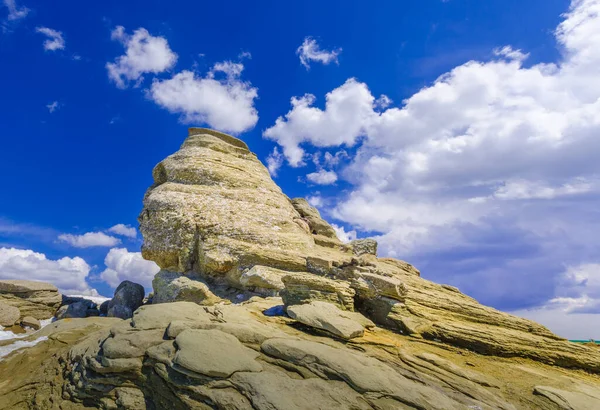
(127, 298)
(36, 299)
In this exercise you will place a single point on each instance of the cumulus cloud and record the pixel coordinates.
(68, 274)
(55, 40)
(144, 53)
(487, 178)
(348, 110)
(124, 265)
(342, 235)
(90, 239)
(322, 177)
(124, 230)
(310, 51)
(15, 12)
(220, 99)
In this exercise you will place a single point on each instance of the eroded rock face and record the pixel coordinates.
(214, 209)
(36, 299)
(215, 213)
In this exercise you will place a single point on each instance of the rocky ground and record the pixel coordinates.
(260, 306)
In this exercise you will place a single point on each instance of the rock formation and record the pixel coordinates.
(36, 299)
(259, 306)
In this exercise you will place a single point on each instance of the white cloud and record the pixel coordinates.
(124, 230)
(144, 53)
(15, 12)
(55, 40)
(226, 104)
(90, 239)
(124, 265)
(491, 154)
(274, 162)
(68, 274)
(310, 51)
(342, 235)
(322, 177)
(53, 106)
(315, 200)
(348, 110)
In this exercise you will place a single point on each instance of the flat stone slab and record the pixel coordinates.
(328, 317)
(214, 353)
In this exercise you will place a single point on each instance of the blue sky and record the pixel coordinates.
(463, 135)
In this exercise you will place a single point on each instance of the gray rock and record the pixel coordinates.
(120, 311)
(364, 246)
(104, 307)
(74, 310)
(213, 353)
(129, 296)
(9, 315)
(328, 317)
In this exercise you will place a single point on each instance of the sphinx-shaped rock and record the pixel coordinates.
(214, 209)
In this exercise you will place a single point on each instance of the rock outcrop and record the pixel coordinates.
(36, 299)
(214, 212)
(314, 323)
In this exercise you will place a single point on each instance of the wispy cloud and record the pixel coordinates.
(310, 51)
(55, 40)
(15, 12)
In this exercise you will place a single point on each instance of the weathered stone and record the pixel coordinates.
(328, 317)
(37, 299)
(364, 246)
(9, 315)
(364, 374)
(263, 279)
(279, 391)
(312, 217)
(192, 220)
(303, 288)
(31, 322)
(588, 399)
(214, 353)
(175, 287)
(319, 266)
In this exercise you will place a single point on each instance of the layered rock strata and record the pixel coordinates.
(215, 213)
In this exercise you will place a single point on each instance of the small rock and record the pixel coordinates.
(31, 322)
(9, 315)
(278, 310)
